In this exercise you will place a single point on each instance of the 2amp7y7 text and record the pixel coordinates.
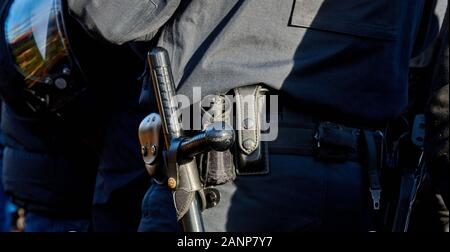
(254, 241)
(206, 243)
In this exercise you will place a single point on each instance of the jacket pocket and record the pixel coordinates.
(375, 19)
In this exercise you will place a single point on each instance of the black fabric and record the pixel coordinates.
(58, 184)
(437, 134)
(429, 213)
(122, 179)
(310, 135)
(428, 30)
(51, 162)
(119, 210)
(307, 48)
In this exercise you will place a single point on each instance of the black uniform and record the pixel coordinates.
(341, 61)
(54, 162)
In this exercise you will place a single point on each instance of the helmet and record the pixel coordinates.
(38, 44)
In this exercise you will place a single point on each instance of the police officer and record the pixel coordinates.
(69, 120)
(433, 200)
(340, 69)
(438, 116)
(427, 96)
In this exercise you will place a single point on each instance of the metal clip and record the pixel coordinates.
(149, 137)
(376, 198)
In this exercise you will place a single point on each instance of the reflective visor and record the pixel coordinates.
(34, 30)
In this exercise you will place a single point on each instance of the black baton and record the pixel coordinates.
(164, 89)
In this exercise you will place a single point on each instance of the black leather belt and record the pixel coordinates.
(326, 141)
(335, 143)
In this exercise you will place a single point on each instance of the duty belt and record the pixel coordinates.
(331, 142)
(326, 141)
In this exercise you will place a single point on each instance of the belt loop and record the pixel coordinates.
(374, 160)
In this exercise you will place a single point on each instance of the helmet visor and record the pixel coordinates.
(35, 33)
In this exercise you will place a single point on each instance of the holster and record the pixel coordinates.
(217, 168)
(250, 154)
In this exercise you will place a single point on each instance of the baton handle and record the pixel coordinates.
(164, 89)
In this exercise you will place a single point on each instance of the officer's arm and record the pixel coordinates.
(119, 21)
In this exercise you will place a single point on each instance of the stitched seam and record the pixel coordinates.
(142, 20)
